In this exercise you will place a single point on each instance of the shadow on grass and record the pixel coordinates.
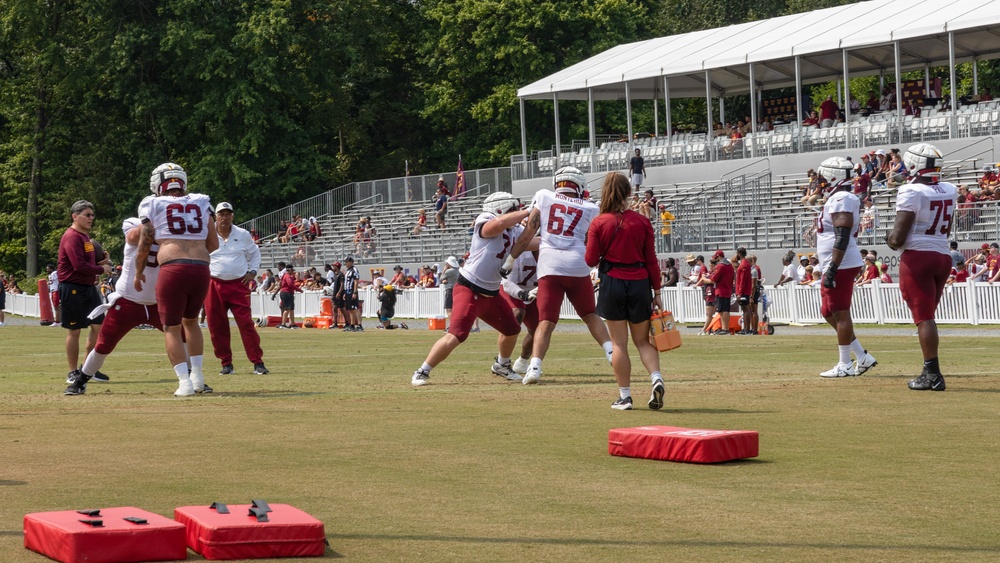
(668, 410)
(5, 483)
(268, 394)
(668, 543)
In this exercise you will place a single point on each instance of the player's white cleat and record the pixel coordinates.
(865, 363)
(420, 377)
(521, 366)
(185, 389)
(840, 370)
(532, 376)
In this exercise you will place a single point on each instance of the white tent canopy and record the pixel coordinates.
(868, 32)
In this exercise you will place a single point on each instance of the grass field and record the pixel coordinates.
(473, 468)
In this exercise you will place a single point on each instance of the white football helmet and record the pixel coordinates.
(500, 202)
(569, 178)
(159, 180)
(923, 159)
(837, 170)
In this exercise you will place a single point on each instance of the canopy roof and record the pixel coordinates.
(867, 31)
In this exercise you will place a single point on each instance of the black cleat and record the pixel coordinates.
(76, 389)
(71, 376)
(226, 369)
(100, 377)
(928, 381)
(207, 389)
(622, 404)
(259, 369)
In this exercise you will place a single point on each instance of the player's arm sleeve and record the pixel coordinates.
(510, 287)
(908, 200)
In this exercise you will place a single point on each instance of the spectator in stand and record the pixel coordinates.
(986, 96)
(312, 229)
(426, 278)
(448, 280)
(884, 277)
(286, 294)
(670, 274)
(872, 105)
(855, 105)
(881, 166)
(812, 192)
(735, 140)
(441, 204)
(666, 220)
(722, 280)
(862, 182)
(869, 272)
(888, 100)
(977, 270)
(398, 277)
(744, 288)
(623, 244)
(421, 222)
(647, 207)
(281, 231)
(790, 273)
(912, 108)
(867, 164)
(993, 260)
(897, 173)
(988, 182)
(869, 220)
(369, 238)
(956, 256)
(387, 307)
(828, 112)
(637, 169)
(812, 120)
(801, 269)
(255, 236)
(807, 276)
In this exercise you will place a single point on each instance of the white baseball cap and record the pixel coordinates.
(224, 206)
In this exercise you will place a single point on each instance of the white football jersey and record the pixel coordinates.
(564, 224)
(838, 202)
(525, 272)
(486, 255)
(124, 286)
(934, 206)
(184, 218)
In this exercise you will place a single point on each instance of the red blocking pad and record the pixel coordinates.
(61, 536)
(672, 443)
(289, 532)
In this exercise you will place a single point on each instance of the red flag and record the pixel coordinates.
(460, 179)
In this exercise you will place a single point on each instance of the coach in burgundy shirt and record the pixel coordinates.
(744, 287)
(78, 270)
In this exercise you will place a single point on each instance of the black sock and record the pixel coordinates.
(931, 366)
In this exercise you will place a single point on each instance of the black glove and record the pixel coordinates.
(829, 276)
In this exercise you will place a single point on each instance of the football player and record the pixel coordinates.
(126, 308)
(520, 290)
(562, 218)
(925, 207)
(184, 226)
(840, 261)
(476, 293)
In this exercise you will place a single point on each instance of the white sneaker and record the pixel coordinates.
(198, 382)
(840, 370)
(420, 377)
(185, 389)
(532, 376)
(521, 366)
(865, 363)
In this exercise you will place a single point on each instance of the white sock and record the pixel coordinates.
(93, 363)
(196, 364)
(656, 375)
(845, 353)
(426, 367)
(535, 362)
(502, 360)
(182, 371)
(625, 392)
(858, 349)
(607, 347)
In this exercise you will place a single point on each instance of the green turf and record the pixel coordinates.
(473, 468)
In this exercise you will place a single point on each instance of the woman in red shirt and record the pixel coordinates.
(869, 272)
(621, 241)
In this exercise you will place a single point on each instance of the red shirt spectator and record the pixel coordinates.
(828, 109)
(289, 284)
(723, 275)
(744, 284)
(885, 277)
(959, 276)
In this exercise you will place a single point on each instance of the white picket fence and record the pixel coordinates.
(881, 303)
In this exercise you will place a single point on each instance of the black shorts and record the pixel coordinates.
(338, 302)
(447, 299)
(722, 304)
(625, 300)
(351, 302)
(744, 300)
(755, 298)
(3, 300)
(287, 301)
(76, 302)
